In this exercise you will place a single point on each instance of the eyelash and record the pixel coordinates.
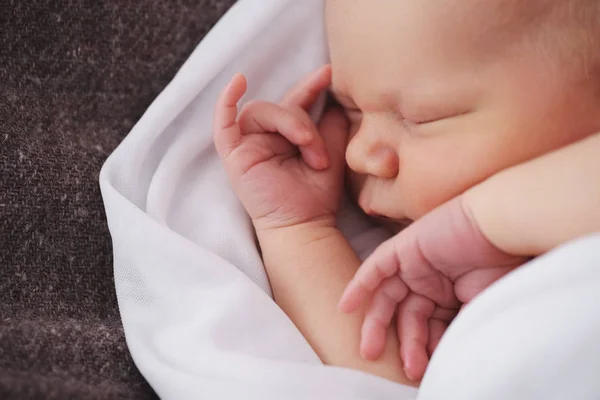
(355, 115)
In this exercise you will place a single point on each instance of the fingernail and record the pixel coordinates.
(322, 160)
(341, 306)
(408, 374)
(307, 135)
(315, 160)
(362, 354)
(406, 367)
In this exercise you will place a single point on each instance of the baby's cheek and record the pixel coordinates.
(440, 175)
(424, 194)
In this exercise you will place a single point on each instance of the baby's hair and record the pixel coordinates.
(568, 34)
(564, 33)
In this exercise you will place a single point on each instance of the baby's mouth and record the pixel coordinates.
(394, 225)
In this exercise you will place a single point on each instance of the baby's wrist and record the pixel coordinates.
(298, 236)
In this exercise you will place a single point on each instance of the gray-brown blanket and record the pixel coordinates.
(74, 77)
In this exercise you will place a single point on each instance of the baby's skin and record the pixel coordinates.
(288, 173)
(467, 129)
(448, 105)
(446, 258)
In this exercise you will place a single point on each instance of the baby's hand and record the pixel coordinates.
(424, 273)
(285, 170)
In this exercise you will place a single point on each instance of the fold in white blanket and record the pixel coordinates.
(193, 294)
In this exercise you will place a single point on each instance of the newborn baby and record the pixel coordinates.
(439, 98)
(442, 107)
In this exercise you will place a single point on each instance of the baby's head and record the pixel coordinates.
(443, 94)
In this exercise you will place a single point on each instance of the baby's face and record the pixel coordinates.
(442, 95)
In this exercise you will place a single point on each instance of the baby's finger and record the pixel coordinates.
(307, 91)
(262, 116)
(334, 130)
(382, 264)
(437, 328)
(226, 130)
(474, 282)
(379, 316)
(413, 333)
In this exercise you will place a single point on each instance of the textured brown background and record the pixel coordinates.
(74, 77)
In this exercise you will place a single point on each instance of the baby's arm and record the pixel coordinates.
(457, 250)
(308, 267)
(293, 200)
(536, 206)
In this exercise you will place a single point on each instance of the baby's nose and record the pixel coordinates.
(375, 159)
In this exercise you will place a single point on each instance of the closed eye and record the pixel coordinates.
(426, 125)
(437, 118)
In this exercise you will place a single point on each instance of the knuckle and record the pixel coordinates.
(291, 120)
(253, 115)
(253, 106)
(295, 124)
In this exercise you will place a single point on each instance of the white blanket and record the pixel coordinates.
(193, 294)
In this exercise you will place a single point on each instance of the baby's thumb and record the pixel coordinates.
(333, 127)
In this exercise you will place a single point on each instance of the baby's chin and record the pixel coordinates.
(394, 225)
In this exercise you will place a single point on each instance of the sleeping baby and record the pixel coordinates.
(474, 124)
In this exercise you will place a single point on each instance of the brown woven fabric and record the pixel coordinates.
(74, 77)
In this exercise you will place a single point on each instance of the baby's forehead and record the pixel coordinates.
(426, 41)
(469, 29)
(485, 22)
